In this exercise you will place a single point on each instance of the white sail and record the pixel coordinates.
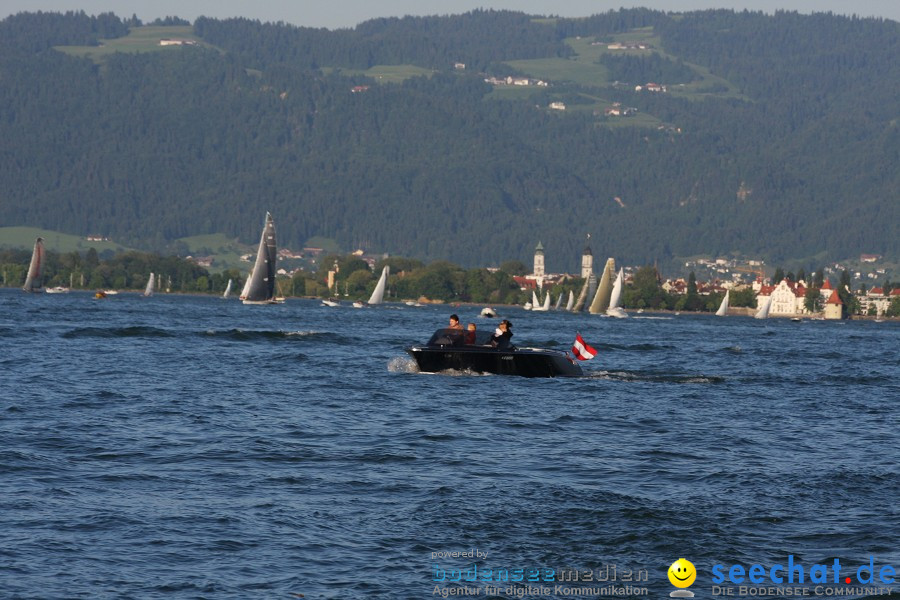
(227, 290)
(246, 287)
(723, 308)
(559, 301)
(33, 281)
(377, 296)
(148, 291)
(535, 303)
(615, 298)
(547, 301)
(571, 301)
(763, 312)
(604, 289)
(260, 288)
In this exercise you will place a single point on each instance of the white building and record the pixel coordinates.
(788, 298)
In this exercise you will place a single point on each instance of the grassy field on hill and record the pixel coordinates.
(584, 69)
(23, 237)
(226, 252)
(386, 73)
(140, 39)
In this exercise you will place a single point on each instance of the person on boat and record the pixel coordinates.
(470, 334)
(502, 335)
(454, 322)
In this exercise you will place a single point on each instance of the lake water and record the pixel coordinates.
(191, 447)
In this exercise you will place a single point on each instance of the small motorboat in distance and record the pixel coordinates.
(489, 312)
(455, 349)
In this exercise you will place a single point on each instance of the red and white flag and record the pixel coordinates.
(581, 349)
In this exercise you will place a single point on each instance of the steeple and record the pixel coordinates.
(587, 260)
(539, 260)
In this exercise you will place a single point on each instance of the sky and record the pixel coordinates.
(347, 13)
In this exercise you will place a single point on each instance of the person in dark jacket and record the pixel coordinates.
(502, 335)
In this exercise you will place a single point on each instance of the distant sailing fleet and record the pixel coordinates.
(607, 296)
(258, 289)
(260, 285)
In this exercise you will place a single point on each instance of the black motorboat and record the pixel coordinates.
(454, 349)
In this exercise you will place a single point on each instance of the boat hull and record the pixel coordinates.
(524, 362)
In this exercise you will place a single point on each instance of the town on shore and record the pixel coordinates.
(833, 292)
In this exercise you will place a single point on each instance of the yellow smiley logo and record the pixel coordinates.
(682, 573)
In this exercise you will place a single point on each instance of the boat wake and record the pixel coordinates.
(402, 364)
(641, 376)
(245, 335)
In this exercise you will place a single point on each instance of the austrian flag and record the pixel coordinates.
(581, 349)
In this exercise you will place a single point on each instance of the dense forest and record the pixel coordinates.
(801, 163)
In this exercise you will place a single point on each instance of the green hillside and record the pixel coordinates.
(768, 136)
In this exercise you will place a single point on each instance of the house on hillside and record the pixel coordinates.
(651, 87)
(617, 110)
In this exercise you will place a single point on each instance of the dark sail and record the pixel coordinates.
(33, 280)
(262, 281)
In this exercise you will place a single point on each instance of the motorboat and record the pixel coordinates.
(489, 312)
(459, 350)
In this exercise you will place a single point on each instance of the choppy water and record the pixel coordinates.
(183, 447)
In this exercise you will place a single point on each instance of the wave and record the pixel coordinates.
(118, 332)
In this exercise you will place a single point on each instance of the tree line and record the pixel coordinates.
(410, 279)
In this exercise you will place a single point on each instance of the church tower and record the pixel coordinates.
(587, 260)
(539, 260)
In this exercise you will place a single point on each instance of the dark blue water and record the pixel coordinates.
(183, 447)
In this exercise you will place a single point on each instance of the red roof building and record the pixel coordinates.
(834, 308)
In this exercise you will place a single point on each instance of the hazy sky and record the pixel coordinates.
(347, 13)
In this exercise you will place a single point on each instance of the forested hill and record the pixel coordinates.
(777, 136)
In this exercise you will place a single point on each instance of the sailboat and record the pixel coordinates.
(571, 301)
(33, 280)
(260, 287)
(763, 312)
(537, 305)
(582, 295)
(227, 290)
(559, 301)
(723, 308)
(604, 289)
(615, 298)
(148, 291)
(377, 296)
